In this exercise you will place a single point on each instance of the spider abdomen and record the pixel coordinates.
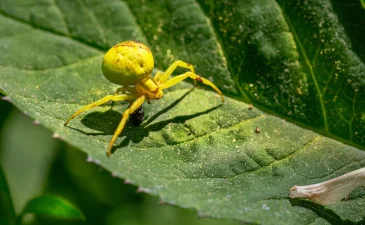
(127, 63)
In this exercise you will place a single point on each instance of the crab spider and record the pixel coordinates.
(130, 64)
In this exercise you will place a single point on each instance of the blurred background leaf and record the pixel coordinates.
(18, 136)
(54, 207)
(6, 204)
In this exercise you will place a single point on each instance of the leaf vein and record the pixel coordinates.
(311, 70)
(223, 52)
(96, 48)
(97, 24)
(135, 18)
(305, 146)
(232, 126)
(68, 33)
(91, 58)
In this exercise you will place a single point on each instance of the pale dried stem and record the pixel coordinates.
(332, 190)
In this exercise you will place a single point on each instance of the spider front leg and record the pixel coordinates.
(173, 81)
(135, 105)
(158, 75)
(164, 76)
(101, 101)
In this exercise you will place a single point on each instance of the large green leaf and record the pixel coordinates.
(303, 61)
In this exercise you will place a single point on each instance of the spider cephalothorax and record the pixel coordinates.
(130, 64)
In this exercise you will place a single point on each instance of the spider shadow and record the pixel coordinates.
(97, 120)
(135, 134)
(145, 128)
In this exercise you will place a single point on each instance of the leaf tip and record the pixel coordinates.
(7, 98)
(162, 202)
(143, 190)
(115, 174)
(36, 122)
(202, 215)
(92, 160)
(126, 181)
(54, 135)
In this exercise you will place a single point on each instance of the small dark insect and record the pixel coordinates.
(137, 117)
(250, 107)
(257, 130)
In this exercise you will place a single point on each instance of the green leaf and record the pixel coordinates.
(6, 204)
(301, 60)
(18, 135)
(53, 206)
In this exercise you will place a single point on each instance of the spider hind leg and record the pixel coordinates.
(134, 106)
(107, 98)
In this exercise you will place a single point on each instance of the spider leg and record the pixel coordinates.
(158, 75)
(163, 77)
(135, 105)
(120, 89)
(130, 89)
(124, 90)
(101, 101)
(179, 78)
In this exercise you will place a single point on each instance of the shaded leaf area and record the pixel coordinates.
(6, 204)
(304, 59)
(179, 30)
(191, 150)
(53, 206)
(334, 57)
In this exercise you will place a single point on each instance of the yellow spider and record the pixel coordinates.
(131, 63)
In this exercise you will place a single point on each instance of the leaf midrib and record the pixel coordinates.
(310, 67)
(307, 61)
(223, 50)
